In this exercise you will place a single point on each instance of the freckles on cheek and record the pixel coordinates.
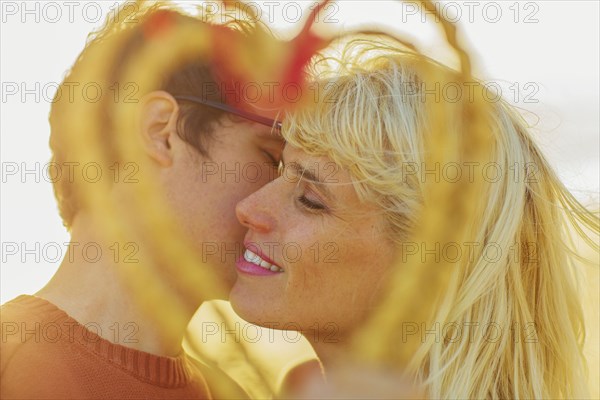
(309, 279)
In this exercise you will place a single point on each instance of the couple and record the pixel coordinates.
(333, 184)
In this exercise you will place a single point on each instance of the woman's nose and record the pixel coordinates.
(257, 211)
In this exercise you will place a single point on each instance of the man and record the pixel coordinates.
(83, 335)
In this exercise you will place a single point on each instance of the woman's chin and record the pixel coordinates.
(247, 305)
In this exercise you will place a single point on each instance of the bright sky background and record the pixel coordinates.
(556, 53)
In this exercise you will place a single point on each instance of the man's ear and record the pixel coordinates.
(159, 126)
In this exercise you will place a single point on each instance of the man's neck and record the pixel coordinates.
(92, 291)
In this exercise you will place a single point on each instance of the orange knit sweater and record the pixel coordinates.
(46, 354)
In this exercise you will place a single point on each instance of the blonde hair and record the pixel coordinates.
(371, 116)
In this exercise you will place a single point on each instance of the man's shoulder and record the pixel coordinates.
(29, 336)
(24, 321)
(45, 354)
(24, 307)
(25, 318)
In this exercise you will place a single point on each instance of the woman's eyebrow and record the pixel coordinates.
(309, 175)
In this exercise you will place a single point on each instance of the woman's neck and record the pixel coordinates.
(332, 350)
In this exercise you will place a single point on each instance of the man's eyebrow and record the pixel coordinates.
(272, 136)
(308, 175)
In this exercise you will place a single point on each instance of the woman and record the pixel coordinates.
(327, 235)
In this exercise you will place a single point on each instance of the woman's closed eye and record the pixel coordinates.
(310, 204)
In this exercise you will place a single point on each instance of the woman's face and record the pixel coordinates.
(331, 252)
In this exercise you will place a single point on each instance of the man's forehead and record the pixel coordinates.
(258, 131)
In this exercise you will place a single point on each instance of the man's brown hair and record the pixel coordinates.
(195, 123)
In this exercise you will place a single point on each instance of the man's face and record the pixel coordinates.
(203, 192)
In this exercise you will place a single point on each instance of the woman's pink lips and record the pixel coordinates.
(255, 248)
(249, 268)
